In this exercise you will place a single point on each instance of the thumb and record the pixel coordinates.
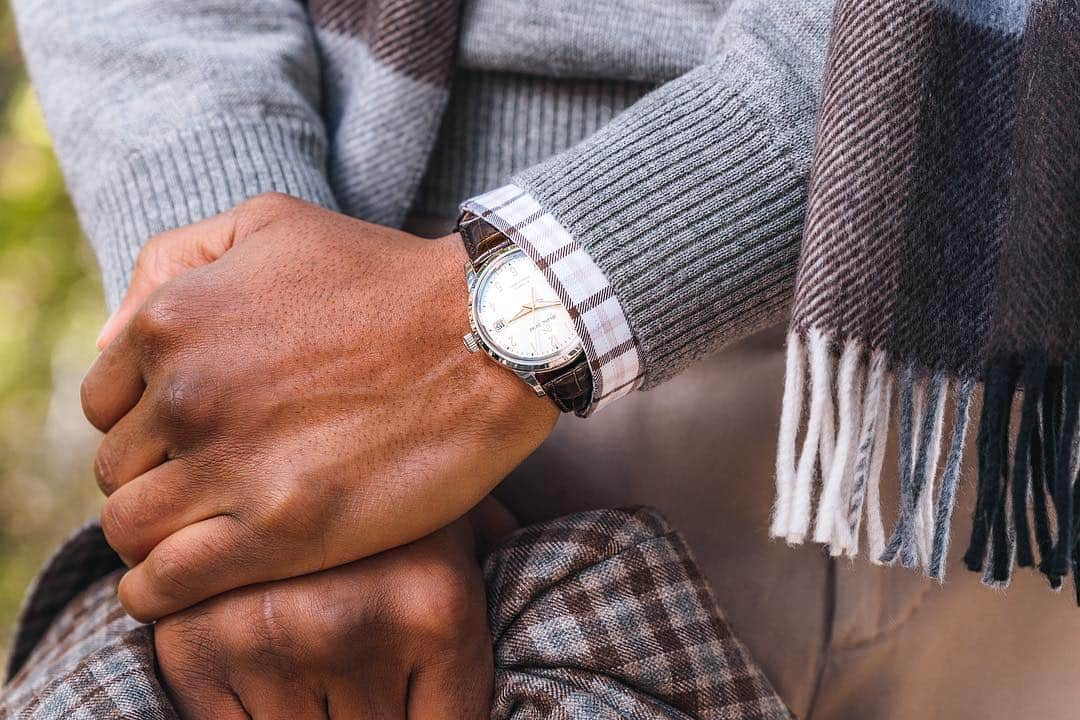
(142, 284)
(165, 257)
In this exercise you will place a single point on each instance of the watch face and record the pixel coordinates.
(519, 315)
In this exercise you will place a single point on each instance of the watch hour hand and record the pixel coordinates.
(525, 310)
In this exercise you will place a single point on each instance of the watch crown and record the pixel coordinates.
(471, 343)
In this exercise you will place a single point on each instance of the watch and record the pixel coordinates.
(518, 320)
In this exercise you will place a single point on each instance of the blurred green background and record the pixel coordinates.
(50, 312)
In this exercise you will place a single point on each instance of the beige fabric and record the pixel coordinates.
(839, 639)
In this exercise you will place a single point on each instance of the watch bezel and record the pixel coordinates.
(491, 262)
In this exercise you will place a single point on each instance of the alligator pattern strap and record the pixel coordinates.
(569, 388)
(479, 237)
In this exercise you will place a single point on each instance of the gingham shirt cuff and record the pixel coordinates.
(598, 317)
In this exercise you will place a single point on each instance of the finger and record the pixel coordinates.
(198, 562)
(185, 568)
(271, 696)
(113, 384)
(129, 449)
(190, 676)
(152, 507)
(206, 701)
(143, 282)
(377, 690)
(167, 256)
(457, 687)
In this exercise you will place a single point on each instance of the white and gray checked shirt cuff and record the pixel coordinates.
(598, 317)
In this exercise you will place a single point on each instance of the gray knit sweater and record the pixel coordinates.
(672, 139)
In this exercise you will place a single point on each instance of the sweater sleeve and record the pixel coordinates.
(691, 202)
(164, 112)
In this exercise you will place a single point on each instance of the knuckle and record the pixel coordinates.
(88, 398)
(187, 648)
(340, 617)
(118, 524)
(105, 469)
(273, 637)
(188, 634)
(160, 317)
(170, 573)
(135, 602)
(149, 252)
(440, 603)
(267, 200)
(263, 209)
(184, 400)
(286, 507)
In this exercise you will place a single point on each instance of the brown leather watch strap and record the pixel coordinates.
(569, 388)
(478, 235)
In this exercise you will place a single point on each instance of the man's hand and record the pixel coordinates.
(299, 403)
(401, 634)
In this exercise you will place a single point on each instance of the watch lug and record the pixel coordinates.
(530, 379)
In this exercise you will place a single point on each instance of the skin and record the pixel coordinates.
(298, 401)
(401, 634)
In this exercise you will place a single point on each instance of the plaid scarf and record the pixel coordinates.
(601, 615)
(941, 252)
(387, 66)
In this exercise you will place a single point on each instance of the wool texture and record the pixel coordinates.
(941, 245)
(672, 140)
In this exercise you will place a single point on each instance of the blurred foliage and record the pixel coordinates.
(50, 312)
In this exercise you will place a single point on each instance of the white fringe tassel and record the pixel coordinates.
(844, 445)
(830, 509)
(817, 444)
(790, 417)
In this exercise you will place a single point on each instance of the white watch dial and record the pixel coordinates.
(518, 313)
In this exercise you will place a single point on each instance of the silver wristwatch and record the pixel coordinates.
(519, 321)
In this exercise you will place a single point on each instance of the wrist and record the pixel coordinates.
(448, 266)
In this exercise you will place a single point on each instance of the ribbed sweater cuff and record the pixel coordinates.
(194, 174)
(691, 203)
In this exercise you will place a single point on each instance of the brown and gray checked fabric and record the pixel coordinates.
(941, 252)
(605, 615)
(601, 615)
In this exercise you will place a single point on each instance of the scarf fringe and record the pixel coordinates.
(844, 434)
